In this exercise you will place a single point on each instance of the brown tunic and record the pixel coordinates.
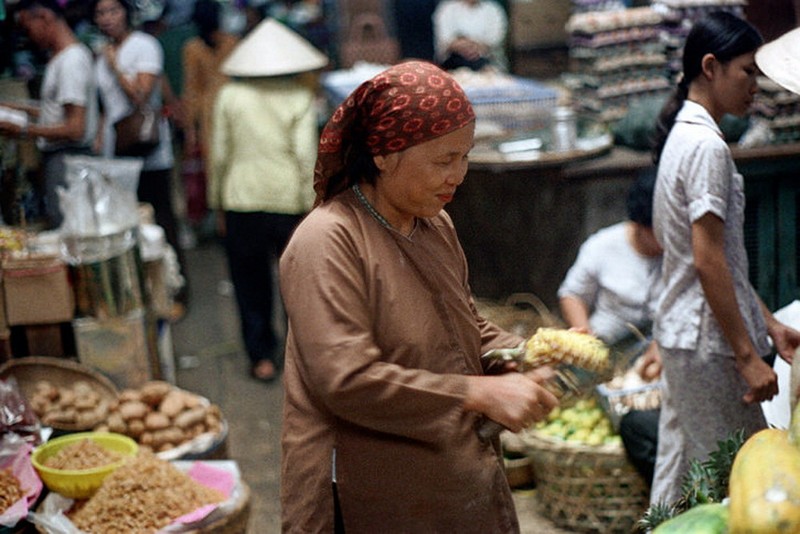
(382, 331)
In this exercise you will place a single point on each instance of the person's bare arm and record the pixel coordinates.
(575, 312)
(33, 111)
(72, 129)
(708, 246)
(136, 88)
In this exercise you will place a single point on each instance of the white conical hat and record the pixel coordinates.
(272, 49)
(780, 60)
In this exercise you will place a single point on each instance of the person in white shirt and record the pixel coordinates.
(613, 278)
(613, 283)
(128, 72)
(471, 34)
(66, 120)
(711, 326)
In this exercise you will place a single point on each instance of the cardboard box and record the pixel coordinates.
(538, 23)
(36, 290)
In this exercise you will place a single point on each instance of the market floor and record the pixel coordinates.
(210, 361)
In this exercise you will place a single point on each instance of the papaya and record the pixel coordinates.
(711, 518)
(764, 485)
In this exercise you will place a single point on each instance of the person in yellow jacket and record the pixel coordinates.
(263, 149)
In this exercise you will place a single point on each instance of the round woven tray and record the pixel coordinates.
(236, 521)
(586, 488)
(60, 372)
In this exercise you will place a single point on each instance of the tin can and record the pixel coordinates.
(564, 129)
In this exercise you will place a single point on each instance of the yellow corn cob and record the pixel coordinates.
(553, 345)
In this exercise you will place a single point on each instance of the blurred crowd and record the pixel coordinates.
(194, 37)
(85, 71)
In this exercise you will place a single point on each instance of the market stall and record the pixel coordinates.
(99, 287)
(92, 444)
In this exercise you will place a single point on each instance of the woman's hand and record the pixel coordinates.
(467, 48)
(759, 376)
(786, 340)
(110, 53)
(649, 364)
(515, 400)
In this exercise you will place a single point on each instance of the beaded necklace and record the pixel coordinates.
(378, 217)
(372, 211)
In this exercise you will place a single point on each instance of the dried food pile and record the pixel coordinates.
(143, 496)
(10, 490)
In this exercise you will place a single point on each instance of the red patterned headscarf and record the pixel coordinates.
(403, 106)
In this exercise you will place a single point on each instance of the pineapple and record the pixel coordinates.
(655, 515)
(578, 361)
(697, 487)
(553, 345)
(706, 482)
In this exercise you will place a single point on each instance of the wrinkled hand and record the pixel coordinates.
(515, 400)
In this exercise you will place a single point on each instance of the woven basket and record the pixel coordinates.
(520, 313)
(60, 372)
(234, 522)
(586, 488)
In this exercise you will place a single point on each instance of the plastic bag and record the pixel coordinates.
(16, 415)
(94, 204)
(15, 455)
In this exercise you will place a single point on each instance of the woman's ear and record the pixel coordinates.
(707, 65)
(386, 162)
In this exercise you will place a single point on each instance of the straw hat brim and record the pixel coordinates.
(779, 60)
(272, 49)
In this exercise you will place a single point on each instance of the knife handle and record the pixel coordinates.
(489, 429)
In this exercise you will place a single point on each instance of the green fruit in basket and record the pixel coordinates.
(580, 435)
(585, 404)
(584, 422)
(554, 414)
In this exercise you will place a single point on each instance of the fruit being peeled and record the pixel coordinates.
(702, 519)
(554, 345)
(765, 485)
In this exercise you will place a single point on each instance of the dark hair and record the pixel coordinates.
(359, 166)
(126, 5)
(722, 34)
(640, 197)
(50, 5)
(206, 18)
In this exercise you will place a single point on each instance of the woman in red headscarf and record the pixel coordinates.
(384, 386)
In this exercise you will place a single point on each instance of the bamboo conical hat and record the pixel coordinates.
(780, 60)
(272, 49)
